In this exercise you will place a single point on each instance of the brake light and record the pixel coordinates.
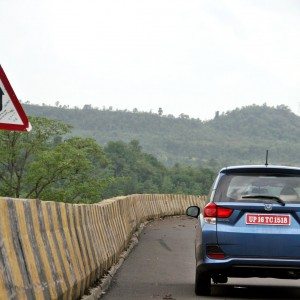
(212, 210)
(224, 212)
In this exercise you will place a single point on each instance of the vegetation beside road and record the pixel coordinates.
(48, 163)
(103, 155)
(240, 136)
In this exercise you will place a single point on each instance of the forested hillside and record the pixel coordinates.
(235, 137)
(45, 164)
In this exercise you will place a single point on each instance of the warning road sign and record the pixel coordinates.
(12, 115)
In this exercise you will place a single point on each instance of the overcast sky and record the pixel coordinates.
(186, 56)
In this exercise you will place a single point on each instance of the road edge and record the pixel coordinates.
(97, 292)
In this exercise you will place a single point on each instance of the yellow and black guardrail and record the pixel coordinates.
(52, 250)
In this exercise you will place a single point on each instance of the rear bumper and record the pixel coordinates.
(252, 267)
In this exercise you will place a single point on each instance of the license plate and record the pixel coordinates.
(268, 219)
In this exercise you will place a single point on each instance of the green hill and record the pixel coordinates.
(236, 137)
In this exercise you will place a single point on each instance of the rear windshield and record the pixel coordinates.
(234, 187)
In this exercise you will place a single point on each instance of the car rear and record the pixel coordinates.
(257, 225)
(254, 212)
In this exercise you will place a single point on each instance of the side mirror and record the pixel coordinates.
(193, 211)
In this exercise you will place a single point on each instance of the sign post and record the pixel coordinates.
(12, 115)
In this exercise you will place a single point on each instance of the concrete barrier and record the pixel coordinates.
(51, 250)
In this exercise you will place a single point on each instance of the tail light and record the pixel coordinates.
(213, 211)
(214, 252)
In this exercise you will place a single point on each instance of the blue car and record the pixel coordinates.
(249, 227)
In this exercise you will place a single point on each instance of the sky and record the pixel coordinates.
(186, 56)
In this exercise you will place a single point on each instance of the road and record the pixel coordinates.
(162, 267)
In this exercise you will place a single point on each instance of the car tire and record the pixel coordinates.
(202, 284)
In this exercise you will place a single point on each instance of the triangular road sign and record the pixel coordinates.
(12, 115)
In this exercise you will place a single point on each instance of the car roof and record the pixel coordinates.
(265, 169)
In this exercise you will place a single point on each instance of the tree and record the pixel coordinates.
(134, 170)
(41, 164)
(70, 172)
(135, 145)
(18, 149)
(87, 106)
(184, 116)
(160, 111)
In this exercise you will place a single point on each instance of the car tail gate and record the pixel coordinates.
(259, 230)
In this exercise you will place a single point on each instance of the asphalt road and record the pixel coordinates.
(162, 267)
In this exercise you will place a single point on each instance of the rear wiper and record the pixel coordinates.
(277, 199)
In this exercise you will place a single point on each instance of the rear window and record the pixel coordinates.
(234, 186)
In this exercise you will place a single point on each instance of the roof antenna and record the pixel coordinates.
(267, 154)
